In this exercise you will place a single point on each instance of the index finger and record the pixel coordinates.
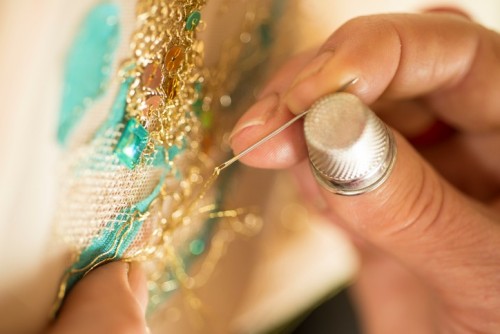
(447, 60)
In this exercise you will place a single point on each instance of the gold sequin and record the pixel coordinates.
(174, 58)
(151, 77)
(153, 101)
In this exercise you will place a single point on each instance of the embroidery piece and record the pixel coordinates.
(137, 189)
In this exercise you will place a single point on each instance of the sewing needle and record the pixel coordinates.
(274, 133)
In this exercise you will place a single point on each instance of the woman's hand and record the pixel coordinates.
(430, 235)
(110, 299)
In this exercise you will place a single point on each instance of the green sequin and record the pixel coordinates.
(197, 247)
(131, 144)
(193, 20)
(198, 107)
(207, 119)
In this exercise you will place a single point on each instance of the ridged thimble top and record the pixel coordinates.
(345, 139)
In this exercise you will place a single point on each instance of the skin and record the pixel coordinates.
(110, 299)
(429, 236)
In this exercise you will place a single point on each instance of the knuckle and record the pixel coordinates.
(424, 208)
(409, 208)
(363, 27)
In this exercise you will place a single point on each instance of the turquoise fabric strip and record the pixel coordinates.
(88, 65)
(113, 240)
(118, 108)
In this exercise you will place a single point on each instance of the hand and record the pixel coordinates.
(430, 235)
(110, 299)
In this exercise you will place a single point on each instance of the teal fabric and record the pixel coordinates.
(118, 108)
(175, 151)
(159, 159)
(114, 240)
(88, 65)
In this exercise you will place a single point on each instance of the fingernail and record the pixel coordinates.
(257, 115)
(314, 67)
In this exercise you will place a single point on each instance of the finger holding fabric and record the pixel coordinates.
(110, 299)
(448, 66)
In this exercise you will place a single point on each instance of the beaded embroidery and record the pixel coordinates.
(135, 190)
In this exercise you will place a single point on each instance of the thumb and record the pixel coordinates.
(425, 223)
(110, 299)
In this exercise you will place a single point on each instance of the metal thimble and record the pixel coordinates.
(351, 150)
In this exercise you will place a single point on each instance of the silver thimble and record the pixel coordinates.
(351, 150)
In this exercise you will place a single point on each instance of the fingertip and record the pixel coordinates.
(257, 115)
(112, 296)
(95, 293)
(302, 96)
(282, 151)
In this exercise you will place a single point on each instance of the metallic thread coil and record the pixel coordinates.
(350, 149)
